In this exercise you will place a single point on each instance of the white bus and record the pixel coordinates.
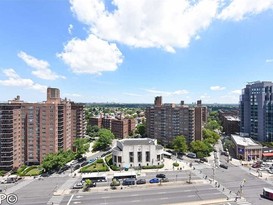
(124, 175)
(95, 177)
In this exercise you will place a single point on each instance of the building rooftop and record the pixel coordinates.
(232, 118)
(139, 141)
(244, 141)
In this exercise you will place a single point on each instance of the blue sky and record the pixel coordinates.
(131, 51)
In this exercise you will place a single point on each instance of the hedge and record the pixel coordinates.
(153, 167)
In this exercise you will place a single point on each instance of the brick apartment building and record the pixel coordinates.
(230, 121)
(29, 131)
(166, 121)
(121, 128)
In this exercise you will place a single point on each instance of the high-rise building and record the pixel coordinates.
(256, 110)
(166, 121)
(29, 131)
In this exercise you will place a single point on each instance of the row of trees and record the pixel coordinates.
(55, 161)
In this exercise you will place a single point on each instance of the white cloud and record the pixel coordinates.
(72, 95)
(197, 37)
(236, 92)
(205, 96)
(240, 9)
(269, 60)
(70, 28)
(42, 68)
(167, 93)
(92, 55)
(168, 25)
(217, 88)
(14, 80)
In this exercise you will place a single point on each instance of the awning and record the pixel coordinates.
(268, 154)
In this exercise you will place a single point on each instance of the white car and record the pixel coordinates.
(270, 171)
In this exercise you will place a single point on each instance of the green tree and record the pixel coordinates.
(105, 139)
(81, 145)
(141, 129)
(200, 148)
(180, 144)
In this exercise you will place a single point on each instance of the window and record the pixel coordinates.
(158, 157)
(131, 156)
(119, 159)
(115, 158)
(139, 156)
(147, 156)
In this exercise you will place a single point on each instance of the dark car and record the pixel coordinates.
(84, 163)
(224, 166)
(154, 180)
(204, 159)
(76, 167)
(160, 176)
(165, 180)
(141, 181)
(82, 159)
(129, 181)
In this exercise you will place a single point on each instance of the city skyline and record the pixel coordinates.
(130, 52)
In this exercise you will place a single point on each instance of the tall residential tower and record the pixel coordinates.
(256, 110)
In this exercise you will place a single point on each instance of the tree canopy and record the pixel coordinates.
(104, 140)
(180, 144)
(201, 148)
(141, 129)
(81, 145)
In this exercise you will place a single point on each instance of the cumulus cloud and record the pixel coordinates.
(92, 55)
(217, 88)
(70, 28)
(42, 68)
(240, 9)
(14, 80)
(167, 93)
(168, 25)
(269, 60)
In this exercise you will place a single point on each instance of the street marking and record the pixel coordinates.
(191, 196)
(161, 192)
(78, 197)
(135, 195)
(77, 202)
(70, 199)
(164, 198)
(105, 197)
(135, 201)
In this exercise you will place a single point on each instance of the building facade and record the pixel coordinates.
(30, 131)
(137, 152)
(256, 111)
(166, 121)
(121, 128)
(246, 148)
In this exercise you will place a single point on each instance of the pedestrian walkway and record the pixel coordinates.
(19, 185)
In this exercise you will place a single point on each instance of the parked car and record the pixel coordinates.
(78, 185)
(204, 159)
(191, 155)
(160, 176)
(82, 159)
(256, 165)
(141, 181)
(84, 163)
(129, 181)
(224, 166)
(76, 167)
(165, 180)
(154, 180)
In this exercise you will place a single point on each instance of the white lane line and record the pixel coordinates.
(164, 198)
(135, 195)
(135, 201)
(70, 199)
(190, 195)
(79, 197)
(161, 192)
(105, 197)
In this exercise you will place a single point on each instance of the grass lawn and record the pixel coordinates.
(95, 167)
(33, 172)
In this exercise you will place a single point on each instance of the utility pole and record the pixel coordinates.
(189, 178)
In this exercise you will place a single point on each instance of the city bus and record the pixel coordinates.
(94, 177)
(267, 193)
(124, 175)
